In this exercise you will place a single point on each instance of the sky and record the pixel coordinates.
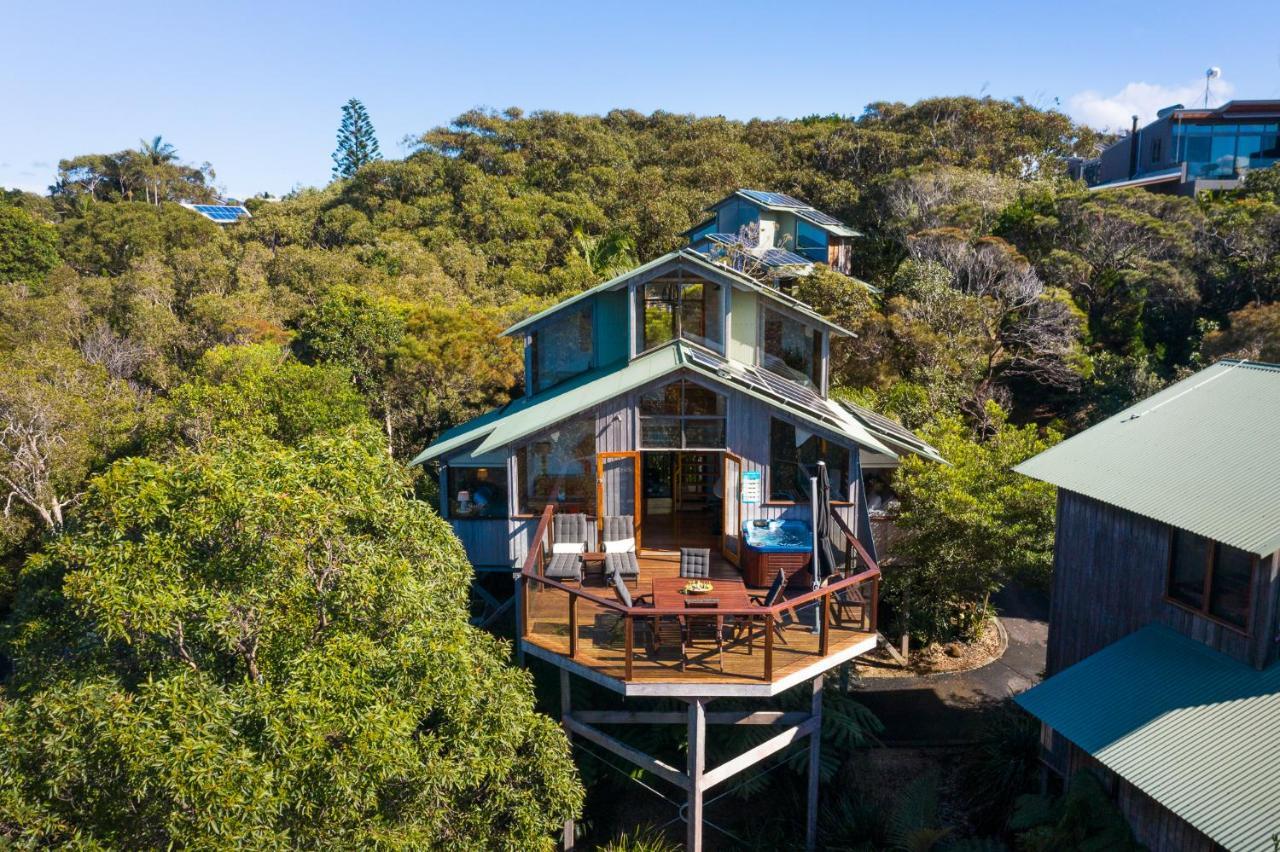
(256, 88)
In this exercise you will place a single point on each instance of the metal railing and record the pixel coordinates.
(553, 615)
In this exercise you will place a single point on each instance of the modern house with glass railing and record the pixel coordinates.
(655, 491)
(1185, 151)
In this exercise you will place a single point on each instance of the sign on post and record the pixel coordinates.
(750, 486)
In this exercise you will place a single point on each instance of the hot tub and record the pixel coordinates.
(785, 545)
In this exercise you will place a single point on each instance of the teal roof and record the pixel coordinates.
(527, 416)
(1202, 455)
(1188, 726)
(687, 257)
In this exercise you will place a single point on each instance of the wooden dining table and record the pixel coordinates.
(728, 594)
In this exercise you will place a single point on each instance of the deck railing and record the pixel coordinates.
(762, 643)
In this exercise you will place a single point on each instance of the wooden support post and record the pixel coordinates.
(566, 713)
(768, 646)
(573, 626)
(630, 630)
(815, 764)
(697, 762)
(824, 638)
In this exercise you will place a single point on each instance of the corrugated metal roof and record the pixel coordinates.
(529, 415)
(1202, 455)
(1190, 727)
(691, 256)
(892, 432)
(1166, 176)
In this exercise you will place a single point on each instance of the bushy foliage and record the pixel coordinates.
(267, 646)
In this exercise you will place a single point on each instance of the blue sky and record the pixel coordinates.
(255, 88)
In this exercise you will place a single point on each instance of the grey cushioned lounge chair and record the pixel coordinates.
(617, 528)
(568, 529)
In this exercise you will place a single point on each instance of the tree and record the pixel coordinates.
(28, 245)
(266, 646)
(1253, 333)
(60, 418)
(968, 526)
(357, 142)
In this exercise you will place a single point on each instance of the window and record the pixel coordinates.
(811, 241)
(794, 454)
(791, 348)
(562, 348)
(560, 468)
(1157, 151)
(476, 492)
(1211, 578)
(682, 416)
(687, 308)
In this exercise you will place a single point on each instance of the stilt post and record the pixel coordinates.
(815, 765)
(697, 763)
(566, 710)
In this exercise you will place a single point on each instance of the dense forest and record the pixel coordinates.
(223, 602)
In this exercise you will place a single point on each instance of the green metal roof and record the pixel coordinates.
(687, 256)
(1192, 728)
(1202, 455)
(529, 415)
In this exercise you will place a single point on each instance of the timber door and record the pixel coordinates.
(731, 530)
(618, 489)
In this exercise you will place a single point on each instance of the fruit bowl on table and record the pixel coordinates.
(697, 587)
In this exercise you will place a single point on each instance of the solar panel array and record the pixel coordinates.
(782, 257)
(817, 217)
(763, 381)
(775, 199)
(221, 212)
(884, 424)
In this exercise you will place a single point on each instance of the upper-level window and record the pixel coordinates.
(1212, 578)
(811, 241)
(682, 415)
(1225, 150)
(791, 348)
(1157, 150)
(562, 348)
(559, 467)
(476, 492)
(794, 454)
(687, 308)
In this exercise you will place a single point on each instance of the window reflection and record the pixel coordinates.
(1225, 151)
(686, 308)
(560, 468)
(791, 348)
(562, 348)
(682, 415)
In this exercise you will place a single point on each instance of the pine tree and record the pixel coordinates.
(357, 143)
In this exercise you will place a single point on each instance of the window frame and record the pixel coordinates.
(681, 281)
(447, 489)
(768, 481)
(519, 455)
(820, 337)
(535, 336)
(1205, 610)
(682, 418)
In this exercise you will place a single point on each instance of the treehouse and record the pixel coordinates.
(655, 489)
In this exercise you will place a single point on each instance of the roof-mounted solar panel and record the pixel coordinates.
(220, 213)
(773, 199)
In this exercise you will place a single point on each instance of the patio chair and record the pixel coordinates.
(624, 596)
(666, 638)
(570, 534)
(620, 532)
(695, 563)
(846, 600)
(773, 596)
(700, 627)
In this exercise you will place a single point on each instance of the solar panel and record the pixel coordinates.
(782, 257)
(817, 217)
(773, 199)
(766, 383)
(884, 424)
(221, 212)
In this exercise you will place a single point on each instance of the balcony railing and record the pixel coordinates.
(759, 644)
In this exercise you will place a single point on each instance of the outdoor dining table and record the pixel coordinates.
(729, 594)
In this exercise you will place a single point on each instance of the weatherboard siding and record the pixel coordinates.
(1110, 569)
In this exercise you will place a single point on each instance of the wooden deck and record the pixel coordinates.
(601, 646)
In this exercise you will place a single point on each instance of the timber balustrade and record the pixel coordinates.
(643, 642)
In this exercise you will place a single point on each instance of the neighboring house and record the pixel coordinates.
(1185, 151)
(646, 394)
(1162, 666)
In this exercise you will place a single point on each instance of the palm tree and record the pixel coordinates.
(156, 157)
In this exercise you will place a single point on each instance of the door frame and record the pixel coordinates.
(727, 530)
(637, 511)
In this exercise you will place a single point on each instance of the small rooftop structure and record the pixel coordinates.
(222, 214)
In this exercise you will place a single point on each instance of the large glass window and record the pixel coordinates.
(1227, 150)
(562, 348)
(811, 241)
(791, 348)
(794, 453)
(476, 492)
(682, 415)
(559, 467)
(1210, 577)
(687, 308)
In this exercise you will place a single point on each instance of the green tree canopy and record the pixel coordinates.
(28, 245)
(258, 645)
(357, 141)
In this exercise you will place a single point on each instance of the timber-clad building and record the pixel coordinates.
(1164, 631)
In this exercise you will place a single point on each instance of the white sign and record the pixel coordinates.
(750, 486)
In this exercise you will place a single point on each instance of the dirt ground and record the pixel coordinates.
(936, 658)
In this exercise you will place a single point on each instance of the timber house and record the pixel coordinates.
(671, 431)
(1162, 672)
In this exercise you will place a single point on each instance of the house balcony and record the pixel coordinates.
(660, 647)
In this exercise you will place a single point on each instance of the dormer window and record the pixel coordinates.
(1211, 578)
(561, 348)
(791, 348)
(680, 307)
